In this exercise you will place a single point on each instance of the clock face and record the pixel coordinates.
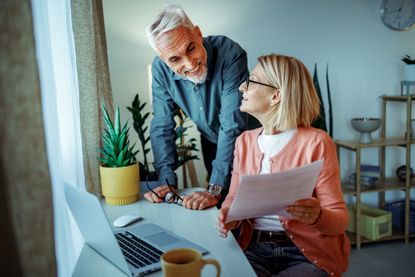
(398, 14)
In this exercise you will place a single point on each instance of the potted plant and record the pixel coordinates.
(409, 67)
(118, 169)
(184, 147)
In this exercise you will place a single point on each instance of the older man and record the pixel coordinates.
(201, 76)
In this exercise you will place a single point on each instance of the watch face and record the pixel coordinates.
(215, 189)
(398, 14)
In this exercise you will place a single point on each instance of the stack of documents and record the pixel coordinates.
(269, 194)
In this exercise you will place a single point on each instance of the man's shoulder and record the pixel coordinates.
(160, 69)
(158, 63)
(223, 43)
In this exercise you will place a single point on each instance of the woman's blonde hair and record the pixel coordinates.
(299, 104)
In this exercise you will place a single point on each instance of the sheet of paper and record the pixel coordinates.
(269, 194)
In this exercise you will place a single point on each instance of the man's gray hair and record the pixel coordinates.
(171, 17)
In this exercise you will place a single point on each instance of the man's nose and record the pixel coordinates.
(189, 63)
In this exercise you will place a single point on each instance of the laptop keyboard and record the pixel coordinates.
(137, 252)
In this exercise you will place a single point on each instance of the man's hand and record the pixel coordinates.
(223, 228)
(161, 191)
(199, 200)
(306, 210)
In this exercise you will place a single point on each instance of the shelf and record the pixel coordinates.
(397, 234)
(380, 142)
(381, 185)
(397, 98)
(385, 184)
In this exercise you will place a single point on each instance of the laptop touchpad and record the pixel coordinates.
(162, 239)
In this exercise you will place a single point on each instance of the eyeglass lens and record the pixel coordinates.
(255, 82)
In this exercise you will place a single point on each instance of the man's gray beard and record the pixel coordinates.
(199, 80)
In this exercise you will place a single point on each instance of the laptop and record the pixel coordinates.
(135, 250)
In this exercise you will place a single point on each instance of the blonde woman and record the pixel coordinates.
(280, 94)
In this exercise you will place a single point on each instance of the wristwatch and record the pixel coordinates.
(215, 189)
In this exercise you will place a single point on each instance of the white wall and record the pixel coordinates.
(363, 55)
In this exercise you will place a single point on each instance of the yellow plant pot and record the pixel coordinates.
(120, 185)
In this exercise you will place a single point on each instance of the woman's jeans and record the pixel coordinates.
(269, 259)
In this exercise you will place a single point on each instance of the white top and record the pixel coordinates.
(271, 145)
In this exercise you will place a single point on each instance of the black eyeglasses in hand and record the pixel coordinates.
(170, 197)
(247, 81)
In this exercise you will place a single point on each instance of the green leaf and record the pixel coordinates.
(117, 122)
(329, 102)
(320, 122)
(108, 122)
(140, 108)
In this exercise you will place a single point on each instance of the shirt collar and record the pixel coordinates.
(209, 53)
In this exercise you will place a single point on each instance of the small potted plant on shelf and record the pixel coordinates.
(118, 169)
(184, 147)
(409, 67)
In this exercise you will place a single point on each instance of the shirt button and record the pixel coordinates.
(315, 261)
(201, 108)
(302, 249)
(291, 236)
(331, 273)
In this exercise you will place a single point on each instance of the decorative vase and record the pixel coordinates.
(410, 72)
(120, 185)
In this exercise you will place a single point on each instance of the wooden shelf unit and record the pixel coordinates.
(383, 184)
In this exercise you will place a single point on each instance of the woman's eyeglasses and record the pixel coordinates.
(247, 81)
(170, 197)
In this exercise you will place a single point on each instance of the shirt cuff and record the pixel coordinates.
(219, 178)
(171, 178)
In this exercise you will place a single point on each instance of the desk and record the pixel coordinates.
(197, 226)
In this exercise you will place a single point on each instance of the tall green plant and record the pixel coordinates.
(115, 150)
(183, 147)
(320, 122)
(329, 102)
(141, 128)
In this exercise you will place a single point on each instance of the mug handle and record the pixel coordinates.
(212, 262)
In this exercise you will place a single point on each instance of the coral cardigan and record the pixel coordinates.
(325, 243)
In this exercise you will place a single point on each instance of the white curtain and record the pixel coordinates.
(60, 105)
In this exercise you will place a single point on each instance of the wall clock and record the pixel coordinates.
(398, 15)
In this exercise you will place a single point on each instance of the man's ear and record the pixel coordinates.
(276, 97)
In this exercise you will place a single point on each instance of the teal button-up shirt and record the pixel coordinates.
(213, 106)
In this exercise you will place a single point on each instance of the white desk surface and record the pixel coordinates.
(196, 226)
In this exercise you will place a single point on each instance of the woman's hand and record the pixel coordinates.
(223, 228)
(306, 210)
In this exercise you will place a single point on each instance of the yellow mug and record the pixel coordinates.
(185, 262)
